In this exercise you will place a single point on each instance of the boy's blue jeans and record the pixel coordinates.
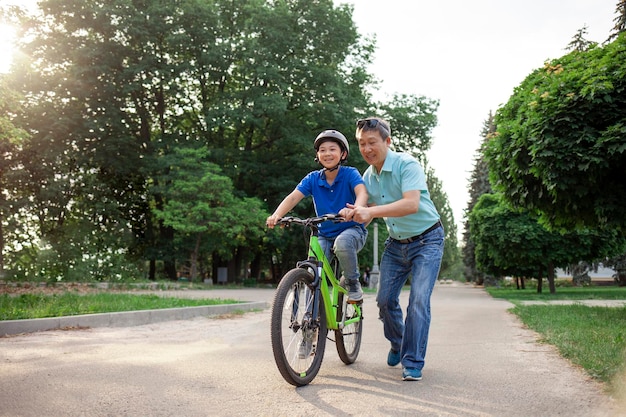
(345, 247)
(418, 261)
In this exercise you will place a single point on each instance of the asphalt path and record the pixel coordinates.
(481, 362)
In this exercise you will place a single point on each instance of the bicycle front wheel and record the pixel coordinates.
(348, 339)
(298, 338)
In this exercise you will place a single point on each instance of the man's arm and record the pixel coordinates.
(408, 204)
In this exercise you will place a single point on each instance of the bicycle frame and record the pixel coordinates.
(326, 285)
(299, 329)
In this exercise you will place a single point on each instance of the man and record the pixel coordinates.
(397, 192)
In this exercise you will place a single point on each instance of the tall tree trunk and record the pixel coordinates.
(551, 278)
(1, 251)
(152, 270)
(255, 267)
(194, 259)
(540, 280)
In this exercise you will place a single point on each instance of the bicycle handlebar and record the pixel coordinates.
(311, 221)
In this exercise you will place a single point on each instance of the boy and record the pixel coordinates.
(332, 188)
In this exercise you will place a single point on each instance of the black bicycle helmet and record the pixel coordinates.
(335, 136)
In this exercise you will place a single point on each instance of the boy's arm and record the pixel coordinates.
(361, 195)
(284, 207)
(360, 201)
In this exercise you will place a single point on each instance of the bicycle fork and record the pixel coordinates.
(309, 324)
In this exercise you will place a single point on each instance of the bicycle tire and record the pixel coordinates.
(297, 361)
(348, 339)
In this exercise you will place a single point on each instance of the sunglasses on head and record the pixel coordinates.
(371, 124)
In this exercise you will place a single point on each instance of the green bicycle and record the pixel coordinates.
(309, 302)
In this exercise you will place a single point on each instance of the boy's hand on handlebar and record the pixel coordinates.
(272, 221)
(346, 213)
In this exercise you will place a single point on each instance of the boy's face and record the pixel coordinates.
(329, 154)
(373, 147)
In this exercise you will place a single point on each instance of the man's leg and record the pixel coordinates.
(425, 258)
(393, 274)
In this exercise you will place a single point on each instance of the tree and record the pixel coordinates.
(620, 20)
(579, 43)
(560, 147)
(479, 185)
(11, 201)
(200, 203)
(112, 87)
(513, 242)
(451, 254)
(412, 119)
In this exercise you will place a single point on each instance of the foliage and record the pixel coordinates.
(560, 147)
(451, 253)
(620, 20)
(618, 263)
(112, 88)
(11, 200)
(579, 42)
(412, 119)
(513, 242)
(201, 206)
(479, 185)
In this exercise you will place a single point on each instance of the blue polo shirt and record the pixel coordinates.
(329, 199)
(400, 173)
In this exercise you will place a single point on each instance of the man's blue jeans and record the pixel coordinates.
(418, 261)
(345, 247)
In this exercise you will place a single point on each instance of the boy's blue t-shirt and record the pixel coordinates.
(330, 199)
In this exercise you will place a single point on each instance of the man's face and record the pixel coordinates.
(373, 147)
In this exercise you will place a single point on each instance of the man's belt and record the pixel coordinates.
(418, 237)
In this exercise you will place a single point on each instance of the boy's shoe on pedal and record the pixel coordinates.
(305, 349)
(355, 292)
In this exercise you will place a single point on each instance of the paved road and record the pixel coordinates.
(481, 362)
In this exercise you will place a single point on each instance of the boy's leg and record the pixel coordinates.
(347, 244)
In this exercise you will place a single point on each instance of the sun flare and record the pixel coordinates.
(7, 46)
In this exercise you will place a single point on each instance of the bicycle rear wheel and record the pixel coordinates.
(298, 339)
(348, 339)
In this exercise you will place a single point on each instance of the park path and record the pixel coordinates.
(481, 362)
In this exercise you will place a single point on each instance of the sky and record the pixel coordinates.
(469, 55)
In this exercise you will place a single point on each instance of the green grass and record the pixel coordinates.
(591, 337)
(31, 306)
(562, 293)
